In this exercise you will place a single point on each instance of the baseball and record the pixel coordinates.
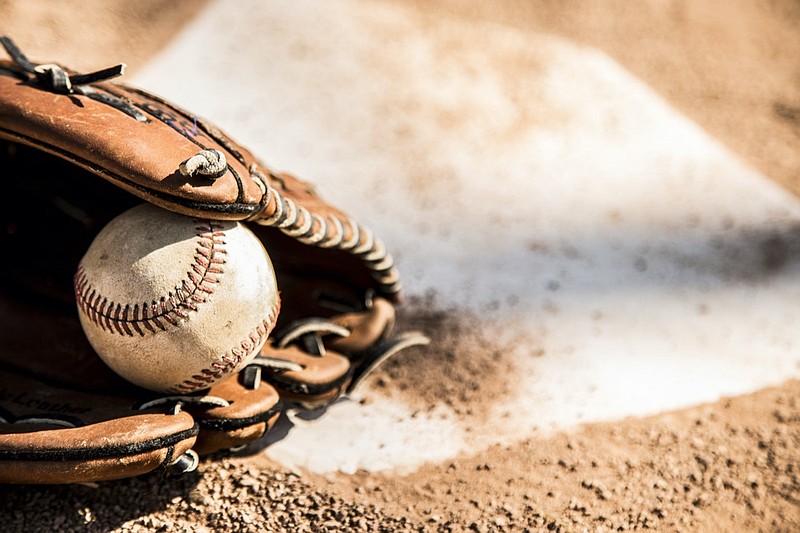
(173, 303)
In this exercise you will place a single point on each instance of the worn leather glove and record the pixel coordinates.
(77, 150)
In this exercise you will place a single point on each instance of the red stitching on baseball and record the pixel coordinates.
(168, 310)
(227, 363)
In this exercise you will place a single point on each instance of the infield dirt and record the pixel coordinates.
(731, 465)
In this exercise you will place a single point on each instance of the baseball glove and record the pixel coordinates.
(77, 150)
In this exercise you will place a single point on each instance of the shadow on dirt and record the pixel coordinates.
(93, 507)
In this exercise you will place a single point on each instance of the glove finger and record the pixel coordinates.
(311, 381)
(49, 434)
(366, 327)
(313, 362)
(249, 408)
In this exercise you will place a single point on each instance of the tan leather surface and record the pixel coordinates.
(33, 472)
(244, 402)
(315, 401)
(251, 413)
(321, 381)
(117, 432)
(317, 370)
(210, 441)
(143, 157)
(324, 378)
(366, 327)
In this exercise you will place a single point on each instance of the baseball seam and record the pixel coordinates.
(169, 310)
(229, 362)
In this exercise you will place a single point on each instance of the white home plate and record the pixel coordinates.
(523, 179)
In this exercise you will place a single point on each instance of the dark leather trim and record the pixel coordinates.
(99, 452)
(245, 210)
(231, 424)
